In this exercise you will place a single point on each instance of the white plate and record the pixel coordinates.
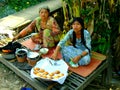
(47, 66)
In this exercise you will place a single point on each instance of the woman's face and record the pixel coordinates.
(44, 14)
(76, 26)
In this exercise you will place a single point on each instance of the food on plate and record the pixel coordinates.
(35, 72)
(45, 73)
(51, 74)
(38, 74)
(49, 77)
(57, 72)
(56, 77)
(41, 70)
(42, 73)
(4, 40)
(44, 76)
(36, 68)
(60, 74)
(6, 51)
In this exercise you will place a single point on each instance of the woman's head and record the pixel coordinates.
(78, 27)
(77, 23)
(44, 12)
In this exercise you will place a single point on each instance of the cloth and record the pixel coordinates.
(86, 70)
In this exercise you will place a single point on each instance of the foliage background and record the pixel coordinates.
(8, 7)
(101, 18)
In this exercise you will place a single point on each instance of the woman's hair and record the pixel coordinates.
(80, 20)
(45, 7)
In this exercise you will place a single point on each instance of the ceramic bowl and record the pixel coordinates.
(44, 50)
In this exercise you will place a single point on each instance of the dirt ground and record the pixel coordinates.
(10, 81)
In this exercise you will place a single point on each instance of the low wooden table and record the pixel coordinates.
(73, 81)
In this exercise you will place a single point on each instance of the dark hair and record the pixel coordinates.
(80, 20)
(45, 7)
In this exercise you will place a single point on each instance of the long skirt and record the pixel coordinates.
(69, 52)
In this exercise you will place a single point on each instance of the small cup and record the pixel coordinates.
(44, 50)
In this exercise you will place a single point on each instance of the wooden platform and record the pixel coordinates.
(73, 81)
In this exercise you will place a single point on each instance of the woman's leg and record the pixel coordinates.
(48, 40)
(69, 52)
(84, 60)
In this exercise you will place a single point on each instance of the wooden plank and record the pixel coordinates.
(90, 78)
(27, 15)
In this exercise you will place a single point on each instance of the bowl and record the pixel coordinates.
(44, 50)
(8, 56)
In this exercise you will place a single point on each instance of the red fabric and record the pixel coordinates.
(88, 69)
(29, 44)
(50, 52)
(81, 70)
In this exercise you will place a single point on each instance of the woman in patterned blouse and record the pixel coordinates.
(78, 52)
(45, 27)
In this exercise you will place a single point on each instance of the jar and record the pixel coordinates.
(32, 58)
(21, 55)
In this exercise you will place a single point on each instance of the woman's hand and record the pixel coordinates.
(54, 56)
(76, 59)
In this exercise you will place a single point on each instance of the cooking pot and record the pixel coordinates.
(10, 47)
(21, 54)
(32, 58)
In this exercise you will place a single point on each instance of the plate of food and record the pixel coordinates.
(4, 39)
(50, 70)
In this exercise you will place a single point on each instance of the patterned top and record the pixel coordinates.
(78, 44)
(51, 25)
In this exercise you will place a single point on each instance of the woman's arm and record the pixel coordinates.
(25, 31)
(55, 54)
(61, 44)
(87, 39)
(77, 58)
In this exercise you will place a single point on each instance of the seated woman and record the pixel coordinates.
(46, 27)
(78, 53)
